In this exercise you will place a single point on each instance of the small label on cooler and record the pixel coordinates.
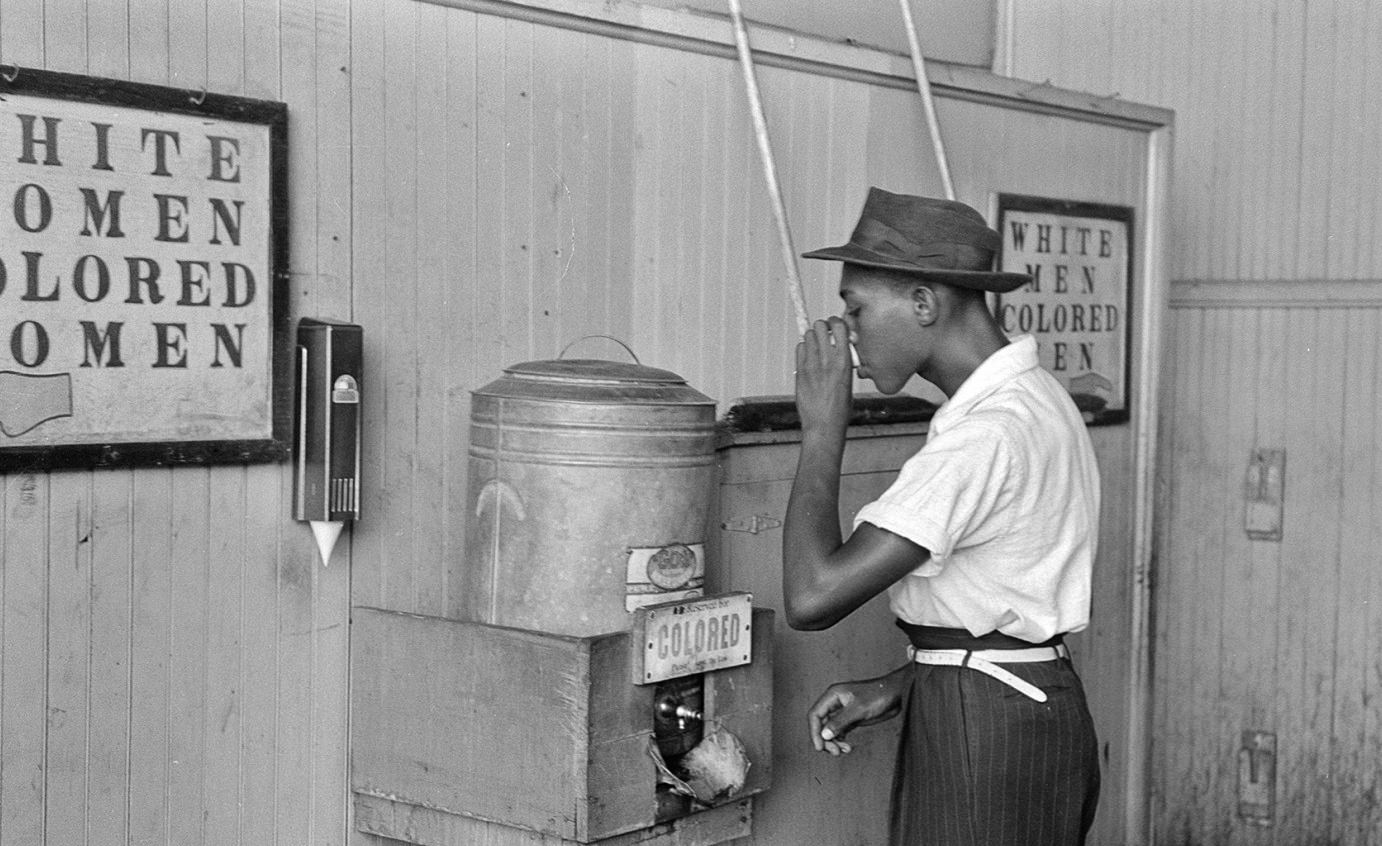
(663, 573)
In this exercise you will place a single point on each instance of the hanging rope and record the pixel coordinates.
(765, 150)
(928, 105)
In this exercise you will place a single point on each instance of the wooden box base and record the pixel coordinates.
(459, 723)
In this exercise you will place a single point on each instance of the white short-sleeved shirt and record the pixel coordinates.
(1005, 496)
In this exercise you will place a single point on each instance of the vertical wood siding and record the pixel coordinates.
(1273, 152)
(173, 658)
(1258, 635)
(1273, 205)
(475, 191)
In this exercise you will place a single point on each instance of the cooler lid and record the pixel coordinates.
(594, 381)
(595, 371)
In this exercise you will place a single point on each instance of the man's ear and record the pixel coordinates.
(925, 304)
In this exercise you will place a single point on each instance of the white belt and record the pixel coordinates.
(987, 660)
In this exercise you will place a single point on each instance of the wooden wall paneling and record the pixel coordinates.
(298, 574)
(1321, 112)
(226, 66)
(186, 652)
(1282, 173)
(549, 230)
(800, 162)
(109, 706)
(561, 190)
(741, 174)
(1354, 744)
(1217, 486)
(1172, 674)
(666, 274)
(297, 577)
(898, 149)
(515, 255)
(429, 331)
(1266, 93)
(654, 85)
(465, 292)
(261, 45)
(688, 321)
(61, 52)
(68, 565)
(260, 721)
(1351, 131)
(108, 40)
(1367, 169)
(1239, 653)
(707, 287)
(1220, 472)
(299, 57)
(368, 144)
(151, 688)
(212, 694)
(784, 93)
(763, 271)
(822, 166)
(23, 666)
(807, 164)
(1257, 114)
(1221, 201)
(396, 322)
(1102, 651)
(1183, 71)
(1310, 571)
(224, 695)
(619, 214)
(711, 198)
(592, 159)
(269, 673)
(327, 245)
(188, 64)
(1263, 705)
(703, 197)
(592, 151)
(21, 37)
(1161, 577)
(328, 107)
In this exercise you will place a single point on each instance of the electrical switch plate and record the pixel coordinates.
(1257, 777)
(1265, 491)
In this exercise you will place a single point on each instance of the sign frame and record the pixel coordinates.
(1096, 410)
(275, 445)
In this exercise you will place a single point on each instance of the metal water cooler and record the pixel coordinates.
(592, 692)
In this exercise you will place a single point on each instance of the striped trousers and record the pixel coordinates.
(981, 764)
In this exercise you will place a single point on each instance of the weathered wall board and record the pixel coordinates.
(1272, 345)
(474, 189)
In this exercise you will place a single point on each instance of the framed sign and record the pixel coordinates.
(143, 256)
(1078, 303)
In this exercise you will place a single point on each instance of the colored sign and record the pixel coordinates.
(139, 255)
(693, 636)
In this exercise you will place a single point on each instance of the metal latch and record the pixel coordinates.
(753, 525)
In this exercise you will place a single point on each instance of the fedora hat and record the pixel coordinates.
(940, 240)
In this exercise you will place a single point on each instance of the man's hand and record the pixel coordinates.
(858, 703)
(824, 377)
